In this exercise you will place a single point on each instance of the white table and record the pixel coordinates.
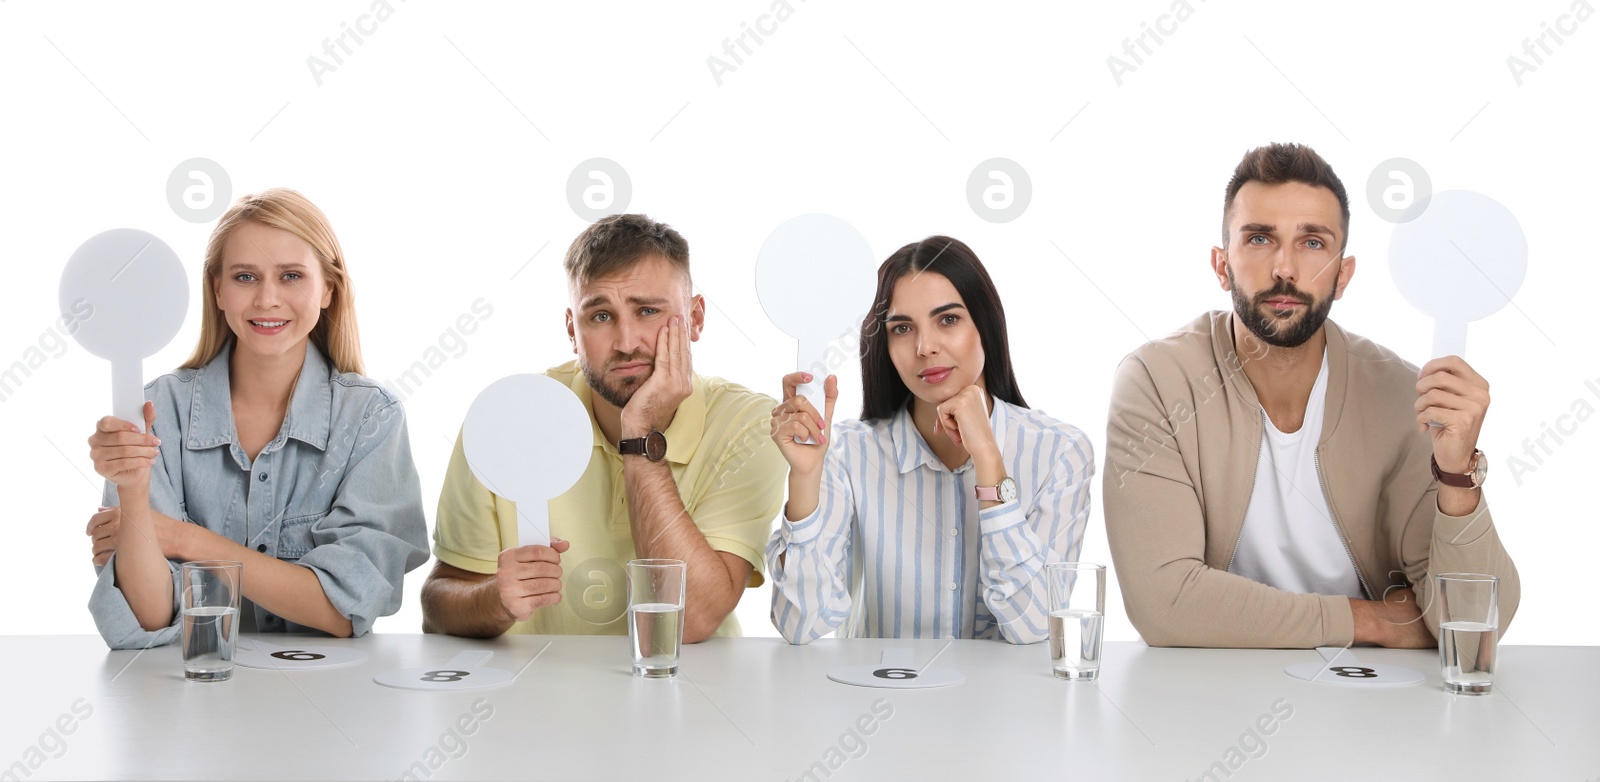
(761, 709)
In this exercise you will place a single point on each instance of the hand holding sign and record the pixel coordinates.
(135, 287)
(528, 439)
(814, 277)
(1461, 259)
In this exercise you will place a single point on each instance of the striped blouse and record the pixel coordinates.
(898, 547)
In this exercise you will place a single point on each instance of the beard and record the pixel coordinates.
(617, 393)
(1280, 332)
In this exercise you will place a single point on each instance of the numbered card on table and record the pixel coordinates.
(896, 670)
(1340, 666)
(465, 671)
(256, 653)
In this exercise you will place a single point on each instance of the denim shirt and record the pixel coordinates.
(335, 491)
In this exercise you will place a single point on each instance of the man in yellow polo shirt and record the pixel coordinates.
(682, 466)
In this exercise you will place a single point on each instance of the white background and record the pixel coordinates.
(441, 148)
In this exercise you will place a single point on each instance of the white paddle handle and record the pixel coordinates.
(533, 523)
(127, 391)
(813, 359)
(1449, 339)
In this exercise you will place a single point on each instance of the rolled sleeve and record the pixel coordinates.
(810, 589)
(107, 605)
(114, 617)
(1019, 540)
(375, 531)
(1442, 543)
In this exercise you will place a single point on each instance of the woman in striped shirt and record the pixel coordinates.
(934, 515)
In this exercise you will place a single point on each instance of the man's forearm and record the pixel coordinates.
(663, 529)
(463, 607)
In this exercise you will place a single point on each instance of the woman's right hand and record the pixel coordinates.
(796, 419)
(121, 453)
(102, 532)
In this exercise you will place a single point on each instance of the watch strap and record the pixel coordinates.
(1466, 480)
(640, 446)
(1004, 491)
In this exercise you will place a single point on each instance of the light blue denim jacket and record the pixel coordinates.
(335, 491)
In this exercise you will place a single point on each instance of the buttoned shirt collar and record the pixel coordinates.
(308, 418)
(911, 451)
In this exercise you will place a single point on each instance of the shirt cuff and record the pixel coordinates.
(741, 550)
(1001, 518)
(802, 531)
(486, 567)
(1462, 530)
(1338, 621)
(114, 617)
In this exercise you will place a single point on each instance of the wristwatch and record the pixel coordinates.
(1004, 491)
(652, 446)
(1477, 471)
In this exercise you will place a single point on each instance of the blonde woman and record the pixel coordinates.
(267, 447)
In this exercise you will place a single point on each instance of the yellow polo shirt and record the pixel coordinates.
(728, 471)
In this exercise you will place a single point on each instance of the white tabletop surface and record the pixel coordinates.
(762, 709)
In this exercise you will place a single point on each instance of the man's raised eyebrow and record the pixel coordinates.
(644, 301)
(1316, 228)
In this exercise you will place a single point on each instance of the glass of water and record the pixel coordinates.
(210, 606)
(655, 615)
(1469, 631)
(1077, 613)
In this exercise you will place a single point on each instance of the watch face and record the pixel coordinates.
(1008, 490)
(655, 446)
(1480, 470)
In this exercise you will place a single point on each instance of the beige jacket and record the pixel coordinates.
(1182, 443)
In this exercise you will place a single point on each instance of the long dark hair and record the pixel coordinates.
(883, 392)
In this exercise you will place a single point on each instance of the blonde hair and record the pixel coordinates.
(335, 333)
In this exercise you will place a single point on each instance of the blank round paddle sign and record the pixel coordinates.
(528, 438)
(1462, 259)
(136, 294)
(815, 279)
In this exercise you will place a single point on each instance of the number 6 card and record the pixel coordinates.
(256, 653)
(896, 670)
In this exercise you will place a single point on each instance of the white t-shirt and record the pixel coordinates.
(1289, 539)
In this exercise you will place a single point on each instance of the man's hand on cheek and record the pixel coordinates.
(651, 408)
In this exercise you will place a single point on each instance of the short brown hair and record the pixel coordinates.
(1275, 164)
(617, 242)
